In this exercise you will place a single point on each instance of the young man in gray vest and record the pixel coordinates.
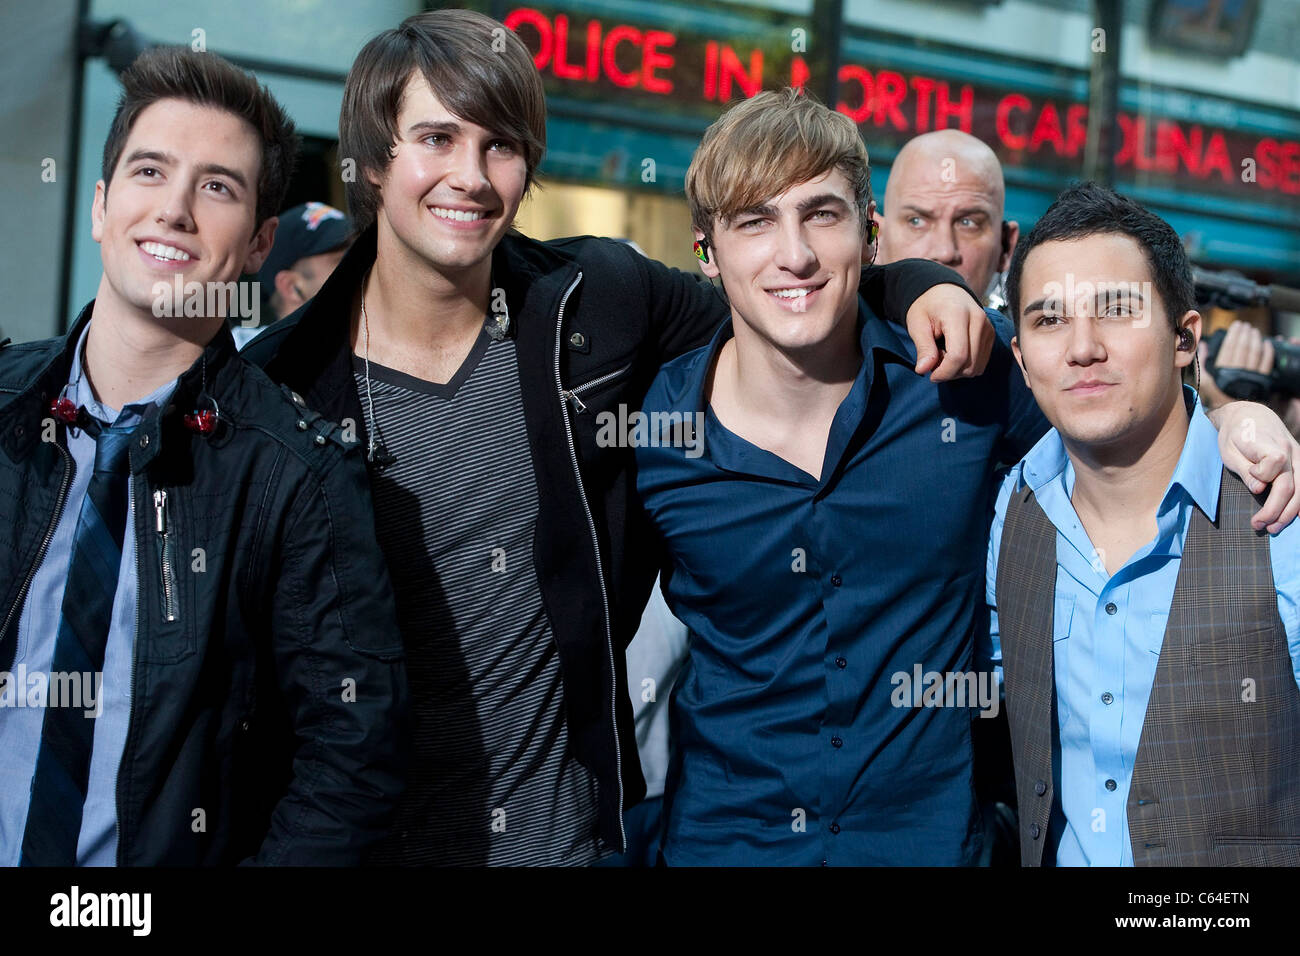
(1150, 634)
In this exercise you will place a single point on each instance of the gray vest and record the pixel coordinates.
(1216, 780)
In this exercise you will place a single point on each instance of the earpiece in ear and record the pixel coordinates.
(1185, 341)
(701, 249)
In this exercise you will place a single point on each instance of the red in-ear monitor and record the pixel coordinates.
(203, 420)
(64, 409)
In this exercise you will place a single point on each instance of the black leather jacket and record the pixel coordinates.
(268, 683)
(593, 321)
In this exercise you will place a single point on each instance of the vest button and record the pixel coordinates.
(1111, 608)
(836, 580)
(837, 742)
(1040, 788)
(1111, 785)
(841, 663)
(835, 828)
(1035, 831)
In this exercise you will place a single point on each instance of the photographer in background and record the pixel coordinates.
(1245, 347)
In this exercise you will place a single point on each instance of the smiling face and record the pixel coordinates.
(453, 187)
(1095, 343)
(791, 266)
(183, 201)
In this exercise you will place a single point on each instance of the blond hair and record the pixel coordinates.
(764, 145)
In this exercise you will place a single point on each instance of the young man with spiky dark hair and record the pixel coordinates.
(1148, 627)
(182, 541)
(478, 366)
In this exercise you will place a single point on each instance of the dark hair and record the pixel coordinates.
(1089, 209)
(478, 69)
(206, 79)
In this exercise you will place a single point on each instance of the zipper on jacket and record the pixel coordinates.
(565, 395)
(59, 500)
(168, 572)
(572, 394)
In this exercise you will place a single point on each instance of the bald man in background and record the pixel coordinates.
(944, 202)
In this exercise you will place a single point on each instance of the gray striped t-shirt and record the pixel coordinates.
(491, 780)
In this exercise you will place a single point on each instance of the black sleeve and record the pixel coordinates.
(890, 290)
(340, 668)
(685, 310)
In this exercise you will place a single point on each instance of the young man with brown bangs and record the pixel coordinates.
(477, 366)
(186, 534)
(824, 714)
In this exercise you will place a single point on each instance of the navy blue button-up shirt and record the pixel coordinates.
(810, 603)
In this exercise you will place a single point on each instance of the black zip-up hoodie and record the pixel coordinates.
(268, 688)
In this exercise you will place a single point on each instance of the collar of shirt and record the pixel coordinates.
(82, 394)
(1048, 471)
(732, 453)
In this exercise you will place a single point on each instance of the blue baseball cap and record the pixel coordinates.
(306, 230)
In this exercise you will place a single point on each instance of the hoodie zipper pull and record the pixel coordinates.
(160, 511)
(578, 406)
(167, 572)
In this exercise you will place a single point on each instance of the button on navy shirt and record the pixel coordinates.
(804, 597)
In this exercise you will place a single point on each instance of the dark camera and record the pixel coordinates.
(1252, 386)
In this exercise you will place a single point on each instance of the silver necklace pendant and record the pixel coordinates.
(377, 453)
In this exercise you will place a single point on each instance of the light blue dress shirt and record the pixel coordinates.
(38, 625)
(1098, 653)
